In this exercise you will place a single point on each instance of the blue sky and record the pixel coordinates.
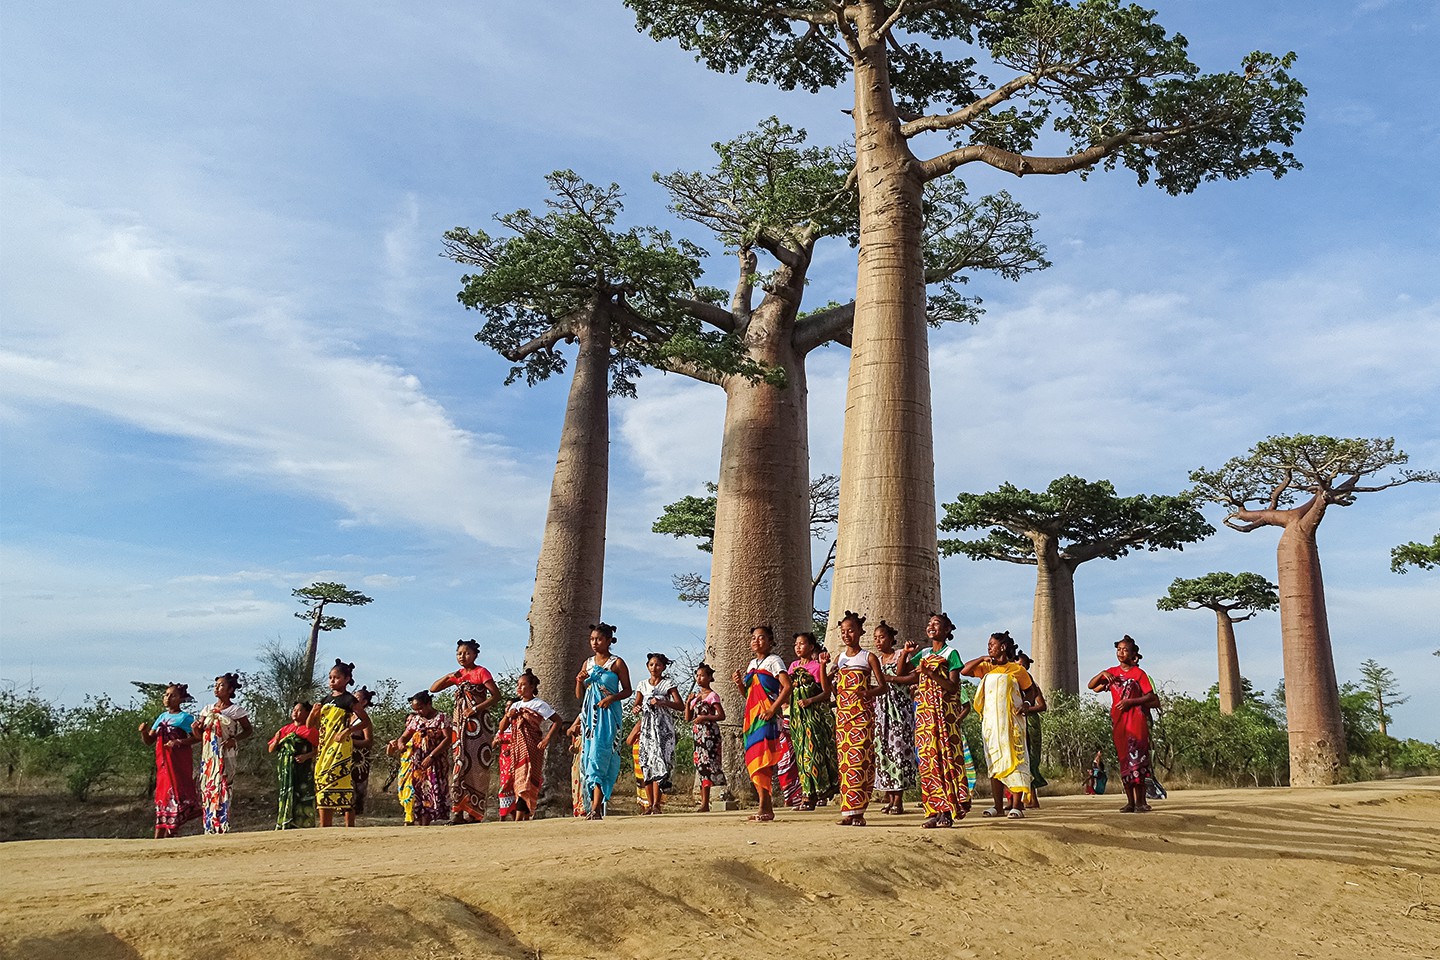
(231, 360)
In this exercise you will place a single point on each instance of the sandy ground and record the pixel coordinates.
(1338, 872)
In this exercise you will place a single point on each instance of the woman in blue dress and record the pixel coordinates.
(603, 684)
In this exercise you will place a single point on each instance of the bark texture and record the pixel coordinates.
(1312, 698)
(569, 576)
(887, 564)
(1053, 643)
(1231, 692)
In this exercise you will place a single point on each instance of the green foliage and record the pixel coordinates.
(317, 596)
(691, 517)
(99, 741)
(1414, 756)
(1422, 556)
(1193, 738)
(1087, 519)
(279, 683)
(1073, 728)
(1228, 592)
(1278, 470)
(769, 189)
(29, 726)
(1361, 720)
(994, 234)
(1098, 73)
(572, 266)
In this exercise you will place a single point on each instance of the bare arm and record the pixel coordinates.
(971, 666)
(1101, 681)
(446, 681)
(623, 672)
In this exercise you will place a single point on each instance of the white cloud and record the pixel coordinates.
(121, 321)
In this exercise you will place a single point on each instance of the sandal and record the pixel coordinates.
(990, 812)
(930, 822)
(858, 820)
(1128, 808)
(1016, 814)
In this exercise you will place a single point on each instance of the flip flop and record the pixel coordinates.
(1016, 814)
(990, 812)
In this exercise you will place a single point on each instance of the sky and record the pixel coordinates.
(232, 361)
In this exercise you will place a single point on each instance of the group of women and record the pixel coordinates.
(821, 729)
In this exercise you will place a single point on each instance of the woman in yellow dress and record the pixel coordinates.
(1002, 703)
(333, 716)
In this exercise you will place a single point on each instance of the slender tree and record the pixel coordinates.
(1227, 594)
(1422, 556)
(571, 275)
(1381, 684)
(770, 199)
(1290, 483)
(315, 598)
(1071, 522)
(996, 80)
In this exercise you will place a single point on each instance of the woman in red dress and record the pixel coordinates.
(1132, 695)
(176, 800)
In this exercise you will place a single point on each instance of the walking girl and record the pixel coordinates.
(523, 721)
(1132, 695)
(766, 687)
(939, 709)
(221, 726)
(473, 750)
(423, 749)
(894, 722)
(859, 680)
(295, 746)
(656, 701)
(602, 685)
(333, 716)
(172, 736)
(1003, 706)
(812, 722)
(705, 712)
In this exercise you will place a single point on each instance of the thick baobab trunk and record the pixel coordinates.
(1053, 643)
(1312, 697)
(887, 564)
(570, 572)
(1230, 691)
(760, 573)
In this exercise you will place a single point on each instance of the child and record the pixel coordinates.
(297, 745)
(222, 726)
(1003, 706)
(939, 740)
(526, 747)
(894, 722)
(766, 687)
(812, 722)
(175, 800)
(603, 684)
(859, 680)
(1132, 695)
(332, 716)
(705, 712)
(473, 749)
(423, 748)
(656, 701)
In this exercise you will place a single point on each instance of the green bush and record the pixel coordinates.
(99, 741)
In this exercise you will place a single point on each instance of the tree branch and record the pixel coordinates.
(1020, 164)
(822, 327)
(717, 317)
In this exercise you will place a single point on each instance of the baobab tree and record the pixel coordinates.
(992, 79)
(571, 275)
(1227, 594)
(1290, 483)
(770, 199)
(316, 597)
(1071, 522)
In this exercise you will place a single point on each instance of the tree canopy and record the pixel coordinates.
(1422, 556)
(1088, 520)
(1004, 78)
(573, 265)
(1328, 471)
(1223, 593)
(317, 596)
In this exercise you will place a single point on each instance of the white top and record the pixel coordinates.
(772, 665)
(648, 688)
(861, 661)
(538, 705)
